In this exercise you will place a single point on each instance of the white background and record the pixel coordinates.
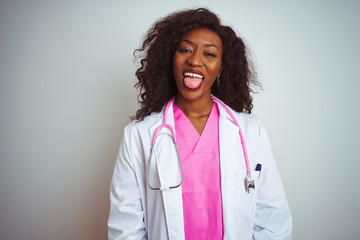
(66, 92)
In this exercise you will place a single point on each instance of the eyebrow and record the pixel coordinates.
(207, 44)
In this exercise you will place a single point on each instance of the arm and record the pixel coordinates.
(126, 213)
(272, 216)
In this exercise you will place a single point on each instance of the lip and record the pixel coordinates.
(193, 71)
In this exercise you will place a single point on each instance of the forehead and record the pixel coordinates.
(203, 36)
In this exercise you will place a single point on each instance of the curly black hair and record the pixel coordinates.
(155, 75)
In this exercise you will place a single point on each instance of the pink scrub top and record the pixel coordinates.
(201, 189)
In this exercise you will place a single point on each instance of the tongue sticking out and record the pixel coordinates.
(192, 82)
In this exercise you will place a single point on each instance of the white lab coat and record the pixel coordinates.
(137, 212)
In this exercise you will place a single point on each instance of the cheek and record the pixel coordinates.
(215, 68)
(177, 66)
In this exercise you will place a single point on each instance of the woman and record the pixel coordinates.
(195, 83)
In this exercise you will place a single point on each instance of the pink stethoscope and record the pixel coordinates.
(249, 183)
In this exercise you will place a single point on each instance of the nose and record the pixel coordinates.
(195, 59)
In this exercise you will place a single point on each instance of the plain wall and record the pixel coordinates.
(66, 93)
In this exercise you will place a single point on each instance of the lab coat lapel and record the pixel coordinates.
(231, 160)
(172, 198)
(230, 145)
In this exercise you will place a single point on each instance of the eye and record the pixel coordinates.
(184, 50)
(209, 54)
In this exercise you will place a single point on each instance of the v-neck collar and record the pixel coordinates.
(188, 135)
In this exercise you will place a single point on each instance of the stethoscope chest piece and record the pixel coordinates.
(249, 183)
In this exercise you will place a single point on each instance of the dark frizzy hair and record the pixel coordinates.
(155, 76)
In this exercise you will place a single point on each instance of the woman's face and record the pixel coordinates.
(197, 62)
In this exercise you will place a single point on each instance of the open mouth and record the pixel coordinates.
(193, 80)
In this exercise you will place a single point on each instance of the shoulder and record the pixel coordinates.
(246, 118)
(136, 127)
(247, 122)
(250, 125)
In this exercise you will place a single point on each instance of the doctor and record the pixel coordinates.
(194, 163)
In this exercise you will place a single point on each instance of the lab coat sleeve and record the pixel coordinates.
(126, 215)
(272, 215)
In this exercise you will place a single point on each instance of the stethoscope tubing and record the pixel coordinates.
(248, 182)
(248, 171)
(165, 124)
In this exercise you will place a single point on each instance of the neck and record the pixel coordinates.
(195, 109)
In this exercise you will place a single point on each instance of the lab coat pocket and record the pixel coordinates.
(246, 200)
